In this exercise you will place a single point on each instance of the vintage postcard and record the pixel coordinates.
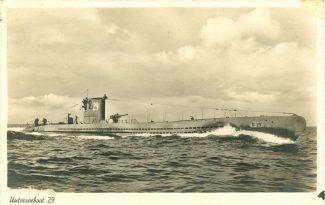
(158, 102)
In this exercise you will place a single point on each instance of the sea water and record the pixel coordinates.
(224, 160)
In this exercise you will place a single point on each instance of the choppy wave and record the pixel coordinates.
(224, 160)
(29, 189)
(12, 135)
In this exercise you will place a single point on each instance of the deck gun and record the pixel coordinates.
(116, 117)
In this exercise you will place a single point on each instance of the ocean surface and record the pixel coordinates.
(224, 160)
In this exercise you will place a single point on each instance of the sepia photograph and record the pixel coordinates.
(162, 100)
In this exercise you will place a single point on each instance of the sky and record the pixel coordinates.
(161, 63)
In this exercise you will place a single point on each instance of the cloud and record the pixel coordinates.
(84, 29)
(218, 32)
(49, 100)
(186, 53)
(183, 54)
(243, 53)
(251, 97)
(246, 61)
(257, 24)
(232, 58)
(51, 106)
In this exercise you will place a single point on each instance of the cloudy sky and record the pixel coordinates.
(150, 59)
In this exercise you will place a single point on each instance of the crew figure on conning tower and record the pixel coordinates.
(84, 103)
(36, 122)
(70, 119)
(44, 121)
(116, 117)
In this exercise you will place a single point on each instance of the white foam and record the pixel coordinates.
(265, 137)
(231, 131)
(16, 129)
(147, 135)
(228, 130)
(223, 131)
(36, 133)
(94, 137)
(21, 129)
(45, 134)
(54, 134)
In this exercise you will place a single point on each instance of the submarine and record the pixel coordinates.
(288, 126)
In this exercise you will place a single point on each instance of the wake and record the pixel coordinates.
(94, 137)
(227, 131)
(53, 134)
(266, 137)
(16, 129)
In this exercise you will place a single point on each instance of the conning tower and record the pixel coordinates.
(94, 109)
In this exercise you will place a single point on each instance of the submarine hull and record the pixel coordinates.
(283, 126)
